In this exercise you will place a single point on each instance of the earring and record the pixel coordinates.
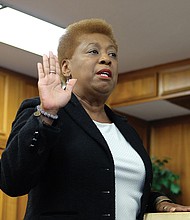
(64, 83)
(67, 81)
(68, 78)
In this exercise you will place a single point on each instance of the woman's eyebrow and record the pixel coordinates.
(93, 44)
(111, 46)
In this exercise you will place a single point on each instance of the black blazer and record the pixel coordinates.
(66, 169)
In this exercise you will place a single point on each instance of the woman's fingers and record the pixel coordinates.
(46, 64)
(57, 67)
(172, 207)
(40, 71)
(52, 63)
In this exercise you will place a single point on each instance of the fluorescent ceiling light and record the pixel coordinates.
(28, 33)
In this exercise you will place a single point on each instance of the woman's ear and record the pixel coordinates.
(65, 67)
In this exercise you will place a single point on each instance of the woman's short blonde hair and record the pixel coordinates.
(68, 41)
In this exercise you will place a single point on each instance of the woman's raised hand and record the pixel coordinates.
(52, 95)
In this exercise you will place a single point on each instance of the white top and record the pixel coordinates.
(129, 172)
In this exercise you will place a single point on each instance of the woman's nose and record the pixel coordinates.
(105, 60)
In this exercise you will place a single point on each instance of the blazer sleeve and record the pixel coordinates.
(153, 196)
(27, 150)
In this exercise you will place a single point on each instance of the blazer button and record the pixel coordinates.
(36, 134)
(106, 215)
(106, 192)
(34, 139)
(32, 148)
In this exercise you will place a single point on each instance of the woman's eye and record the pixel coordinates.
(93, 52)
(112, 54)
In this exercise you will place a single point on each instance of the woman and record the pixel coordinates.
(74, 157)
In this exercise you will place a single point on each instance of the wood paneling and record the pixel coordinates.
(171, 138)
(9, 211)
(21, 206)
(14, 88)
(3, 99)
(143, 129)
(13, 100)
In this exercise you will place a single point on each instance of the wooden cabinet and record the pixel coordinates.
(155, 83)
(174, 81)
(134, 87)
(14, 88)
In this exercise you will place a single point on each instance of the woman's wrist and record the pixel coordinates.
(46, 121)
(47, 117)
(161, 199)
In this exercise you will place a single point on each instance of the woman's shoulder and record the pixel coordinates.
(29, 103)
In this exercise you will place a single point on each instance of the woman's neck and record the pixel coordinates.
(94, 108)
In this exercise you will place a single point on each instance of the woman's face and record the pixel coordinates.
(94, 64)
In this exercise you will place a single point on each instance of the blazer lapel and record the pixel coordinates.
(81, 117)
